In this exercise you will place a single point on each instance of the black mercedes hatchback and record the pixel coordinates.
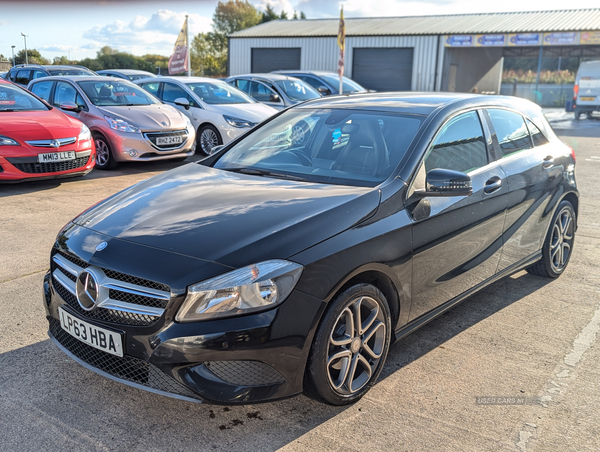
(289, 260)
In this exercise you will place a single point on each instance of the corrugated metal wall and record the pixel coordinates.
(321, 54)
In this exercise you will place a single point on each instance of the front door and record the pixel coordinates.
(457, 241)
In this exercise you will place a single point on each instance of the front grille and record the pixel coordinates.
(152, 136)
(126, 368)
(52, 167)
(116, 316)
(245, 373)
(103, 314)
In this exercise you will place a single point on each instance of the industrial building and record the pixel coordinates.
(462, 52)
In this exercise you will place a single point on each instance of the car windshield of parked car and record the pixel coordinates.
(297, 90)
(347, 84)
(70, 71)
(115, 93)
(219, 93)
(331, 146)
(16, 99)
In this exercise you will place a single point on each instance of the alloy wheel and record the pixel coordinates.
(208, 140)
(561, 240)
(356, 345)
(102, 152)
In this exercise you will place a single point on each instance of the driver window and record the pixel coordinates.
(65, 92)
(459, 146)
(261, 93)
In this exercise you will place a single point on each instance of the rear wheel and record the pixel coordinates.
(207, 138)
(558, 245)
(104, 156)
(350, 346)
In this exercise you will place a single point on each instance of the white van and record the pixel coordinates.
(586, 92)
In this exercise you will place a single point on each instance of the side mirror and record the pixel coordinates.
(70, 106)
(324, 90)
(274, 98)
(444, 182)
(182, 102)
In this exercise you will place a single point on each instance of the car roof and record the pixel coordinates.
(185, 79)
(125, 71)
(290, 71)
(270, 76)
(416, 102)
(81, 78)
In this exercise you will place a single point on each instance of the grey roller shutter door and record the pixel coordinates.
(383, 69)
(273, 59)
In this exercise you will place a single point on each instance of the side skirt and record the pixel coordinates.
(426, 318)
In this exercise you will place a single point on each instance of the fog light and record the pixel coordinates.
(132, 153)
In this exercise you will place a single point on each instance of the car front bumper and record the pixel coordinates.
(247, 359)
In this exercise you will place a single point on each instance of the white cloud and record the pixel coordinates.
(156, 34)
(277, 5)
(4, 23)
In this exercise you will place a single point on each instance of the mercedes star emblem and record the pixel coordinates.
(87, 290)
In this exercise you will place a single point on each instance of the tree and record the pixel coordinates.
(33, 57)
(207, 55)
(283, 15)
(91, 63)
(295, 16)
(268, 14)
(234, 15)
(61, 60)
(302, 15)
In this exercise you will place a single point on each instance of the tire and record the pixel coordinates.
(341, 367)
(207, 138)
(577, 115)
(104, 155)
(558, 245)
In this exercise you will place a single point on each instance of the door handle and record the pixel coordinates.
(492, 185)
(548, 162)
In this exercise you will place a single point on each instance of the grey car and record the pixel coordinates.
(127, 74)
(127, 122)
(275, 90)
(325, 82)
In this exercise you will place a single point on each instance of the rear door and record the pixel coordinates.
(531, 177)
(457, 241)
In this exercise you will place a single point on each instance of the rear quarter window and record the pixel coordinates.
(513, 135)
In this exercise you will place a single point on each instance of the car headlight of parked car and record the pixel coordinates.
(5, 141)
(237, 122)
(84, 133)
(248, 289)
(121, 125)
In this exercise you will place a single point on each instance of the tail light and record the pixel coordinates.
(575, 92)
(573, 154)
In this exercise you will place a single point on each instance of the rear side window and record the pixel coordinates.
(539, 139)
(511, 131)
(42, 89)
(23, 77)
(172, 92)
(38, 74)
(152, 88)
(460, 145)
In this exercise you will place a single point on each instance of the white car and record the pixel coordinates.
(219, 112)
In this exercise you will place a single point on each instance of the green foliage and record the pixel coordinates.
(546, 76)
(91, 63)
(268, 14)
(302, 15)
(283, 15)
(33, 57)
(208, 56)
(61, 60)
(234, 15)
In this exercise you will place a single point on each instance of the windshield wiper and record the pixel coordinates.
(261, 172)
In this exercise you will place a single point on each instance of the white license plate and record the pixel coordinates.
(169, 140)
(99, 338)
(56, 157)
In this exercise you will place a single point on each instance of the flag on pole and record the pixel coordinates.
(341, 40)
(179, 61)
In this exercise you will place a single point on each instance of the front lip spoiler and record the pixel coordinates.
(119, 380)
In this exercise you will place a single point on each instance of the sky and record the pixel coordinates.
(79, 28)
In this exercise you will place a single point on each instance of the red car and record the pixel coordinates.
(38, 141)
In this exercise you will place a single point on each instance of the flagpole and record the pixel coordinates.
(187, 38)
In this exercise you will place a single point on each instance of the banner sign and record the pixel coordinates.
(490, 40)
(459, 41)
(589, 37)
(524, 39)
(560, 39)
(179, 60)
(341, 41)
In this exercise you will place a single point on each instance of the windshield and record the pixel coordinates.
(348, 85)
(16, 99)
(219, 93)
(297, 90)
(117, 92)
(73, 71)
(347, 147)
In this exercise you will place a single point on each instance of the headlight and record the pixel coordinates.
(84, 133)
(237, 122)
(249, 289)
(121, 125)
(5, 141)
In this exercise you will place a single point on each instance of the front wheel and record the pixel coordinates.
(558, 245)
(207, 138)
(350, 346)
(104, 156)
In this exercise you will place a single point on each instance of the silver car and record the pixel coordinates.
(127, 123)
(277, 91)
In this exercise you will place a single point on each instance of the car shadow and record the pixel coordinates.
(64, 403)
(125, 168)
